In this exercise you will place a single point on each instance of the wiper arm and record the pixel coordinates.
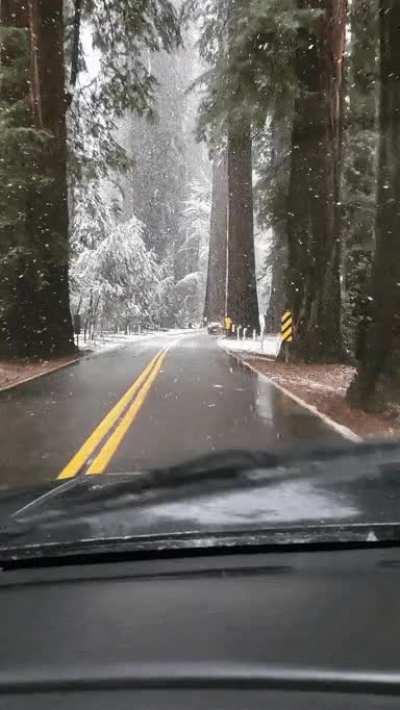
(208, 475)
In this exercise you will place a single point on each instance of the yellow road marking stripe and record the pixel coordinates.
(80, 458)
(101, 461)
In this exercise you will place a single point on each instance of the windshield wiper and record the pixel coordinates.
(209, 475)
(95, 512)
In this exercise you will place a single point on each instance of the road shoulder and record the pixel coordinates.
(321, 390)
(13, 374)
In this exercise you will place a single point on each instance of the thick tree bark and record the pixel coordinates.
(313, 217)
(49, 206)
(278, 298)
(280, 139)
(382, 347)
(215, 302)
(35, 317)
(242, 288)
(13, 236)
(359, 183)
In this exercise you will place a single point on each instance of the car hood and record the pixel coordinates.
(322, 495)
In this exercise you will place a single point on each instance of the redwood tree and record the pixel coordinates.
(18, 148)
(242, 288)
(49, 208)
(379, 369)
(215, 302)
(226, 117)
(313, 210)
(360, 170)
(274, 188)
(34, 311)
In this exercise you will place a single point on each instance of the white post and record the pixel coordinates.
(262, 339)
(254, 334)
(244, 333)
(280, 343)
(238, 331)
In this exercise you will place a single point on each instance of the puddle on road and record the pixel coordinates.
(285, 417)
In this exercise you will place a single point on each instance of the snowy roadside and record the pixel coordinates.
(13, 374)
(269, 347)
(115, 341)
(321, 389)
(16, 373)
(108, 342)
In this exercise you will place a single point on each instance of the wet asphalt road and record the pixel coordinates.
(200, 401)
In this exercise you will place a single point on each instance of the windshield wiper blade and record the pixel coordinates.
(208, 470)
(208, 475)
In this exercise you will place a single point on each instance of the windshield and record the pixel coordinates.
(199, 249)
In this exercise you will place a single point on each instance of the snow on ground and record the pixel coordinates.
(109, 341)
(269, 347)
(114, 341)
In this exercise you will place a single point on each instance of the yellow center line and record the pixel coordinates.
(102, 460)
(97, 436)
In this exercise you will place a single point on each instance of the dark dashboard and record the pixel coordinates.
(286, 630)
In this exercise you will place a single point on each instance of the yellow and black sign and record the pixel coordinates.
(287, 327)
(228, 323)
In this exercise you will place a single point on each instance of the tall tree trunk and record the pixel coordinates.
(34, 316)
(359, 184)
(277, 303)
(242, 288)
(214, 309)
(281, 125)
(381, 355)
(14, 243)
(313, 216)
(49, 206)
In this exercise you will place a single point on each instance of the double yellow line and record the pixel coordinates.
(121, 416)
